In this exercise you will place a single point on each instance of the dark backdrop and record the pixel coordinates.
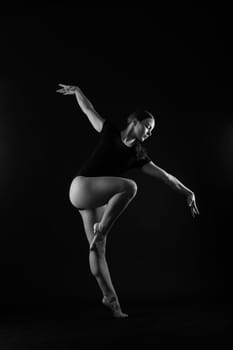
(176, 62)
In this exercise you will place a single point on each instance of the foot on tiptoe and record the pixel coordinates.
(113, 304)
(98, 236)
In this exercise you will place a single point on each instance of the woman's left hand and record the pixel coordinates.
(192, 204)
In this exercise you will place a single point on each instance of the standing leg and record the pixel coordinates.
(91, 193)
(98, 264)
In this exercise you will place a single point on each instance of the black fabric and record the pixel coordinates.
(111, 156)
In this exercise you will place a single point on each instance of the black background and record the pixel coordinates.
(175, 61)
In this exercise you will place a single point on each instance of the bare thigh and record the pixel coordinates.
(92, 192)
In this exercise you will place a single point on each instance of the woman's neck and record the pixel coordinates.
(127, 137)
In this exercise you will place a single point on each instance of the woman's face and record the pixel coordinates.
(143, 129)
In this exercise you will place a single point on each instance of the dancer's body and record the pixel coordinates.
(99, 191)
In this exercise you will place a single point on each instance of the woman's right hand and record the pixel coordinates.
(67, 89)
(191, 200)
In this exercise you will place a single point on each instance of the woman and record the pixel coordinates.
(101, 194)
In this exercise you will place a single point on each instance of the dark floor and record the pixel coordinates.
(76, 325)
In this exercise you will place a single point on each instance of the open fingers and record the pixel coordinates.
(195, 207)
(63, 85)
(67, 90)
(194, 210)
(72, 87)
(63, 91)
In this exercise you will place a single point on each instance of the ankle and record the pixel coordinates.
(109, 298)
(100, 227)
(97, 228)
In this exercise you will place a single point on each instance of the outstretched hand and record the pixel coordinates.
(67, 89)
(192, 204)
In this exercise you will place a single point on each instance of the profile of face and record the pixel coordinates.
(143, 129)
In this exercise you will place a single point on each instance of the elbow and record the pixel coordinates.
(167, 178)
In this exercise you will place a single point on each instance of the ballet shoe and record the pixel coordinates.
(114, 306)
(98, 237)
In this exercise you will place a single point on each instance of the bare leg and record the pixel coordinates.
(101, 272)
(98, 263)
(99, 269)
(116, 205)
(92, 194)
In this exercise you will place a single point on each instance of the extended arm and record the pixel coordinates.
(153, 170)
(86, 106)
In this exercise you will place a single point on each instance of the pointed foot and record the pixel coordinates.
(98, 237)
(113, 305)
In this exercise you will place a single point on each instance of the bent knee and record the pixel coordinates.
(131, 188)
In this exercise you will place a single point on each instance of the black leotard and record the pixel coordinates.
(111, 156)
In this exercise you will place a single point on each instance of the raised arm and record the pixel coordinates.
(86, 106)
(153, 170)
